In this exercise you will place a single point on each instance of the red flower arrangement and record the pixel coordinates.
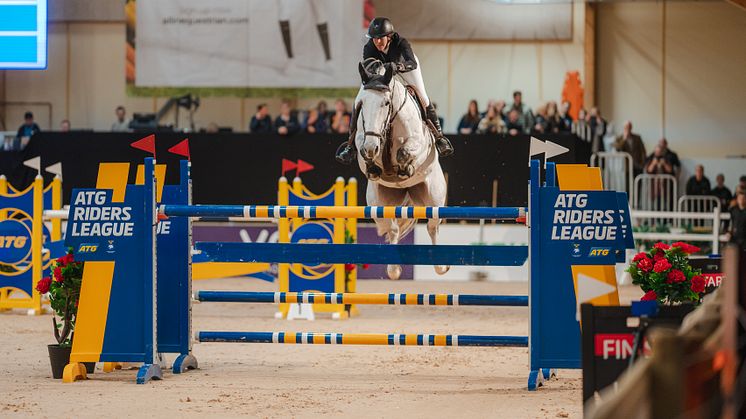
(64, 293)
(664, 274)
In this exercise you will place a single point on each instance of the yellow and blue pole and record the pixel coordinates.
(361, 298)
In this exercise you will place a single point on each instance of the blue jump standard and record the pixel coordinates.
(383, 254)
(342, 298)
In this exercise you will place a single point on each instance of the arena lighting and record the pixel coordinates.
(23, 35)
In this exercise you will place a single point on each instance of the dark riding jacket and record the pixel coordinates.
(400, 53)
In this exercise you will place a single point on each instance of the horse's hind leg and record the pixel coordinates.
(432, 192)
(378, 195)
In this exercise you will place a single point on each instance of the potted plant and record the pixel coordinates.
(63, 288)
(664, 274)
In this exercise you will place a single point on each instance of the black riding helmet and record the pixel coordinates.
(380, 27)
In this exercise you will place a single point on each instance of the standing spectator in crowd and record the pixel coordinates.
(721, 192)
(598, 130)
(323, 111)
(525, 117)
(657, 164)
(340, 118)
(470, 121)
(65, 126)
(514, 125)
(698, 184)
(261, 122)
(27, 130)
(121, 124)
(564, 114)
(314, 123)
(631, 143)
(492, 123)
(738, 221)
(672, 157)
(286, 122)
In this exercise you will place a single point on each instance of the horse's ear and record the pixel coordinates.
(386, 79)
(363, 74)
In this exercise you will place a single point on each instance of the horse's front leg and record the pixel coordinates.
(378, 195)
(432, 192)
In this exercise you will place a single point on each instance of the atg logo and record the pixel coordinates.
(599, 251)
(88, 248)
(576, 253)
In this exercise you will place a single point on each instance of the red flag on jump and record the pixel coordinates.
(146, 144)
(303, 167)
(181, 149)
(288, 165)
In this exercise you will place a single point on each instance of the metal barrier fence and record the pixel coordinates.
(616, 171)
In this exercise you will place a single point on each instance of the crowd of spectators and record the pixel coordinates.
(315, 120)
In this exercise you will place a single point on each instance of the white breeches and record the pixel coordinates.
(414, 78)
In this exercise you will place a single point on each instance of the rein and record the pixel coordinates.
(385, 134)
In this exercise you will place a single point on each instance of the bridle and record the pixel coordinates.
(385, 134)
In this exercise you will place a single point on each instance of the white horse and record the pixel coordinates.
(398, 156)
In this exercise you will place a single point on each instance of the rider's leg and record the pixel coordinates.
(414, 79)
(346, 151)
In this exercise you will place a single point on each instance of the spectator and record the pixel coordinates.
(65, 126)
(698, 184)
(323, 111)
(314, 123)
(554, 122)
(565, 117)
(261, 121)
(490, 103)
(631, 143)
(286, 122)
(513, 125)
(525, 117)
(341, 118)
(598, 130)
(657, 164)
(470, 121)
(741, 187)
(672, 157)
(500, 108)
(121, 124)
(721, 192)
(492, 123)
(29, 127)
(540, 119)
(738, 221)
(580, 127)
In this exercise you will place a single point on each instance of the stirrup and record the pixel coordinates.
(444, 146)
(345, 154)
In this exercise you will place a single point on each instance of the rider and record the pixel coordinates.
(387, 46)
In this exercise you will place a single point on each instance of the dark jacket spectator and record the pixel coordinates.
(514, 125)
(656, 164)
(698, 184)
(631, 143)
(470, 121)
(721, 192)
(565, 117)
(525, 116)
(738, 221)
(286, 122)
(671, 157)
(29, 127)
(598, 130)
(314, 123)
(261, 121)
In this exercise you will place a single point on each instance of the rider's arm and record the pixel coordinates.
(408, 61)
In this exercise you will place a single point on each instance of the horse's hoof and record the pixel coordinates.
(441, 269)
(394, 271)
(406, 172)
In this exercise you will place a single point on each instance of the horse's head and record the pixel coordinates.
(374, 108)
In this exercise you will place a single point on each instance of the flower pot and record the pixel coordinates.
(59, 356)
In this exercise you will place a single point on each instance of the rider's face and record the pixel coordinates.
(381, 43)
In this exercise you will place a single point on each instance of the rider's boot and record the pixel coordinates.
(441, 142)
(346, 153)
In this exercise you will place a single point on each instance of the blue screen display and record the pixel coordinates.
(23, 34)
